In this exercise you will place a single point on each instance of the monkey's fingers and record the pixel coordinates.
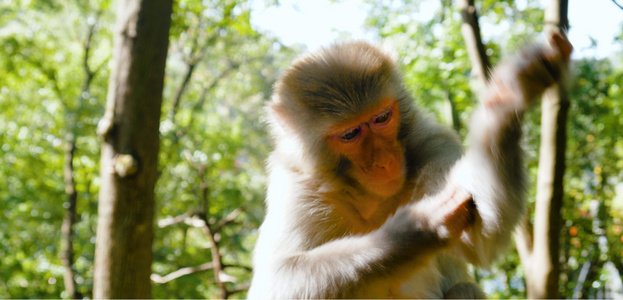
(561, 44)
(556, 57)
(519, 80)
(462, 212)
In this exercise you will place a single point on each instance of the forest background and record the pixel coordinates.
(55, 67)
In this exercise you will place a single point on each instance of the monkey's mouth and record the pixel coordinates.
(387, 186)
(383, 175)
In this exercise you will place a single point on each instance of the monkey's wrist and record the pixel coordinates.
(408, 229)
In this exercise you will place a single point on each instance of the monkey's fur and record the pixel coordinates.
(327, 235)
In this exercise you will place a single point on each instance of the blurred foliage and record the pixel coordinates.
(594, 193)
(216, 127)
(41, 78)
(219, 73)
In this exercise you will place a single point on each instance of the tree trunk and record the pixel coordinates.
(481, 66)
(67, 229)
(542, 267)
(130, 150)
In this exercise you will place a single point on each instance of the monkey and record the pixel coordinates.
(369, 197)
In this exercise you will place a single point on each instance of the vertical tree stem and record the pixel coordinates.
(130, 129)
(67, 229)
(545, 267)
(481, 66)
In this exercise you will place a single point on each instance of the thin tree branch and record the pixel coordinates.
(67, 228)
(237, 266)
(216, 256)
(193, 219)
(155, 278)
(100, 66)
(202, 98)
(228, 219)
(617, 4)
(87, 50)
(232, 66)
(187, 218)
(180, 90)
(237, 289)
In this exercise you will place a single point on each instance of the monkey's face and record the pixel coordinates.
(369, 142)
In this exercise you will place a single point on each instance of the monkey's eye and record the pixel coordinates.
(383, 118)
(351, 134)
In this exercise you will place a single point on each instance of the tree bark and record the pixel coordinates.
(130, 148)
(542, 267)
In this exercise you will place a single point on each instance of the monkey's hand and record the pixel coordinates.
(434, 222)
(450, 212)
(520, 80)
(459, 212)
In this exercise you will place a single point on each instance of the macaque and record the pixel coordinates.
(369, 198)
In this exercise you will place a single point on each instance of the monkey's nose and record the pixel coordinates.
(383, 164)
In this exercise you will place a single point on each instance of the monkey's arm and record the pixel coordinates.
(287, 267)
(492, 169)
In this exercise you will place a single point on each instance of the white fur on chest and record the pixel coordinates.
(424, 283)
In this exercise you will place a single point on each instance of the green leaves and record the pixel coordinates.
(41, 102)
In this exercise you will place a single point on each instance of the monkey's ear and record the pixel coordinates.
(277, 112)
(279, 117)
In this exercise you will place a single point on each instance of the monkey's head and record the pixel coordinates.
(344, 111)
